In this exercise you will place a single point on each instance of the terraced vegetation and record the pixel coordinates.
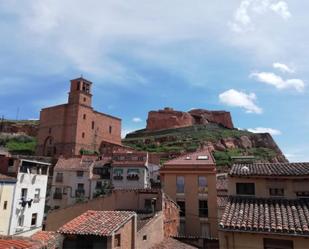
(189, 139)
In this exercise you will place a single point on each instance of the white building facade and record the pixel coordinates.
(29, 198)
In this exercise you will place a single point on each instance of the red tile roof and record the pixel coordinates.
(16, 242)
(169, 243)
(266, 215)
(100, 223)
(75, 163)
(49, 239)
(202, 157)
(270, 169)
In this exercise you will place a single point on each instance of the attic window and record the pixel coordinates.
(202, 157)
(188, 158)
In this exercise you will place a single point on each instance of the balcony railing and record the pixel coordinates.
(133, 177)
(57, 196)
(118, 178)
(79, 192)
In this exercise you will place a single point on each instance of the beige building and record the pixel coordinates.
(130, 170)
(7, 188)
(78, 179)
(268, 207)
(190, 180)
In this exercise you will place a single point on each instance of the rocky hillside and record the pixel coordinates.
(225, 143)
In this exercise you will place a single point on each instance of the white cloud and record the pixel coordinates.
(253, 9)
(136, 120)
(283, 67)
(281, 8)
(278, 82)
(265, 130)
(236, 98)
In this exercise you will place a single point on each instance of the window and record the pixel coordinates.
(33, 219)
(144, 237)
(5, 205)
(110, 129)
(278, 244)
(98, 185)
(302, 194)
(24, 193)
(49, 130)
(80, 186)
(20, 221)
(92, 125)
(58, 194)
(202, 184)
(117, 240)
(180, 184)
(37, 195)
(83, 135)
(84, 116)
(79, 173)
(59, 177)
(203, 208)
(182, 206)
(245, 189)
(149, 203)
(276, 192)
(85, 99)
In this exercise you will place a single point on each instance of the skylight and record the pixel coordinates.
(202, 157)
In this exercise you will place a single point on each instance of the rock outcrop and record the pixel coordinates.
(170, 119)
(29, 128)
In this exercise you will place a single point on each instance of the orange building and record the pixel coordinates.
(70, 128)
(190, 180)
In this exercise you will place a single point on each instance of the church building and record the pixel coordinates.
(75, 128)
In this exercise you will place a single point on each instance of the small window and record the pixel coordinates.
(202, 184)
(180, 184)
(33, 219)
(117, 240)
(84, 116)
(203, 208)
(59, 177)
(49, 130)
(147, 204)
(80, 173)
(182, 227)
(245, 188)
(5, 205)
(98, 185)
(24, 193)
(80, 186)
(110, 129)
(85, 99)
(144, 237)
(92, 125)
(182, 206)
(83, 135)
(37, 195)
(276, 192)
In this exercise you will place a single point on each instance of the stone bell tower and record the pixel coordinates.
(80, 92)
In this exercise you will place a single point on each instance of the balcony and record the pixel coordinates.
(132, 177)
(57, 196)
(79, 192)
(118, 178)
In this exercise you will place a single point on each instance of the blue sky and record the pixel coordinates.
(248, 57)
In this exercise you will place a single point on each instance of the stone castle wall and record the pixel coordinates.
(169, 118)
